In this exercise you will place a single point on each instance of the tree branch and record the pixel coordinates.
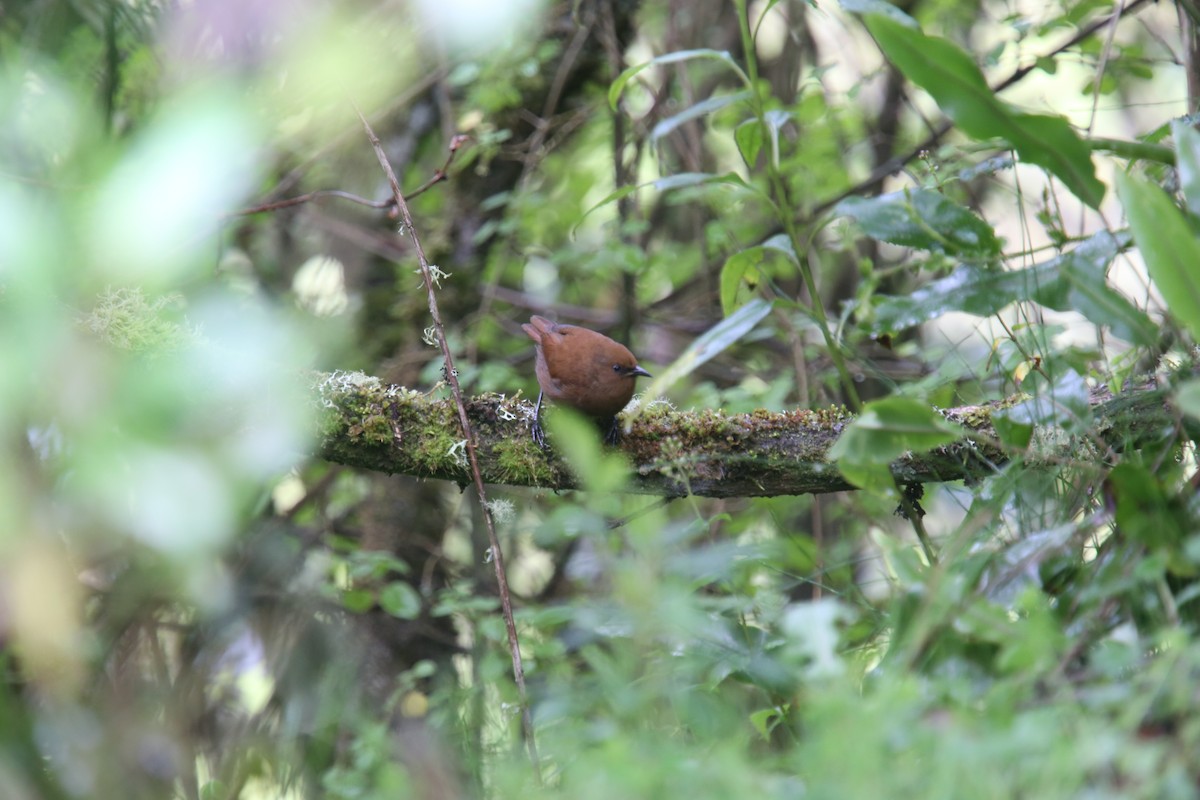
(709, 453)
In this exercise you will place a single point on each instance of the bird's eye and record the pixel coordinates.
(616, 367)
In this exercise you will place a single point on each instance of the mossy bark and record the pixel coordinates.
(364, 423)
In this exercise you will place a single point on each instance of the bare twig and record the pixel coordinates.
(439, 175)
(452, 379)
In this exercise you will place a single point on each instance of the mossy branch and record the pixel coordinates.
(366, 424)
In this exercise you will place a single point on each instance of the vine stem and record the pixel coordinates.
(510, 626)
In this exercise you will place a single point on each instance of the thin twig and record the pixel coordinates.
(439, 175)
(452, 379)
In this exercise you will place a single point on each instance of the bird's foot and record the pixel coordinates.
(538, 434)
(613, 436)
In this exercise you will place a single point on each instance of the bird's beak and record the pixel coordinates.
(640, 371)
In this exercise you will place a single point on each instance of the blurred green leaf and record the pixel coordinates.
(886, 430)
(924, 219)
(1090, 295)
(358, 600)
(941, 68)
(400, 600)
(577, 439)
(741, 269)
(1012, 433)
(1148, 513)
(1168, 246)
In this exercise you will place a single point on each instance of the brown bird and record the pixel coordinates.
(583, 369)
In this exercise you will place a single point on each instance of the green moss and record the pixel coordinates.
(520, 460)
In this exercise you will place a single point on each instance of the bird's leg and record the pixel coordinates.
(613, 436)
(539, 436)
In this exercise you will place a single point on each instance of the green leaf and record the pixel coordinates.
(765, 720)
(1145, 513)
(743, 268)
(885, 431)
(1187, 158)
(740, 268)
(618, 86)
(1090, 295)
(694, 111)
(981, 291)
(577, 439)
(749, 138)
(712, 342)
(955, 82)
(924, 219)
(1168, 247)
(1012, 433)
(357, 600)
(400, 600)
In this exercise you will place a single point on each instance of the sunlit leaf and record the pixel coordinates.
(740, 269)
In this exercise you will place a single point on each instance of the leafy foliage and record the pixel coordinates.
(189, 607)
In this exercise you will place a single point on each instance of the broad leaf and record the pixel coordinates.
(1187, 159)
(1168, 247)
(924, 219)
(955, 82)
(749, 138)
(886, 430)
